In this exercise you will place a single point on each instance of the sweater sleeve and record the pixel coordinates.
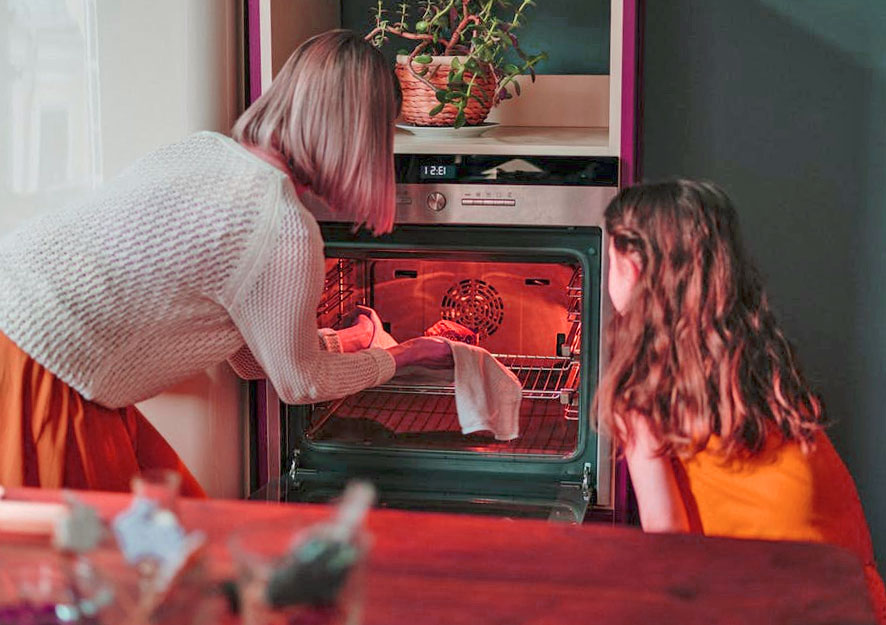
(275, 309)
(246, 366)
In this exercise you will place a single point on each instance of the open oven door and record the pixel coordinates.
(567, 502)
(533, 295)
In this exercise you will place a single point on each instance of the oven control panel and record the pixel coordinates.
(436, 201)
(486, 201)
(458, 188)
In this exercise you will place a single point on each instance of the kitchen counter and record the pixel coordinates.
(448, 569)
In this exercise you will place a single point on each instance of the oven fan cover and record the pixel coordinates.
(475, 304)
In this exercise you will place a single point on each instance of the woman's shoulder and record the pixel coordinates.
(297, 207)
(209, 149)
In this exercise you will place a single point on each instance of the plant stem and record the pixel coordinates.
(399, 33)
(456, 34)
(411, 69)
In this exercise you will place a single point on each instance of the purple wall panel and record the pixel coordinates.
(629, 92)
(623, 501)
(253, 48)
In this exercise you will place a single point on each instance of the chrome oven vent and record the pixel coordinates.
(474, 304)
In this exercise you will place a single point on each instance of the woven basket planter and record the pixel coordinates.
(419, 99)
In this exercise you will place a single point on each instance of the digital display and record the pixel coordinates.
(437, 172)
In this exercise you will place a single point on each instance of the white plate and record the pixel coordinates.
(448, 132)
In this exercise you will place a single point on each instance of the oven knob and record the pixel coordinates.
(436, 201)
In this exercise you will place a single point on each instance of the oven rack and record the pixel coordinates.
(572, 345)
(542, 377)
(428, 421)
(338, 293)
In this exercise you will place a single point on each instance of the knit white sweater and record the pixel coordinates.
(197, 253)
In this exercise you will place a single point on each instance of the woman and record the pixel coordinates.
(721, 433)
(199, 252)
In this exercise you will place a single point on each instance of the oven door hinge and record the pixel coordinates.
(586, 482)
(293, 465)
(573, 499)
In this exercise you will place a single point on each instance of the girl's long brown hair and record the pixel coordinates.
(697, 350)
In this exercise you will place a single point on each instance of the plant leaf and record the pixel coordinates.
(436, 110)
(424, 59)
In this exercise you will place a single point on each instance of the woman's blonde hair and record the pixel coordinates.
(697, 351)
(329, 113)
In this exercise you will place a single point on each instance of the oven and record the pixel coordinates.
(512, 247)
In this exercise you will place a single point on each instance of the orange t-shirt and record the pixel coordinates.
(783, 494)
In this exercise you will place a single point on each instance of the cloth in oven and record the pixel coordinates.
(487, 394)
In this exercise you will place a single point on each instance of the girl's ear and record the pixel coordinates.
(624, 273)
(635, 264)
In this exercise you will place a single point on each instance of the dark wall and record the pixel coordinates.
(784, 104)
(575, 34)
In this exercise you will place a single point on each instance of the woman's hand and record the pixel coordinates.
(424, 351)
(358, 333)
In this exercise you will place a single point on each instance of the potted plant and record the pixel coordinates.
(465, 58)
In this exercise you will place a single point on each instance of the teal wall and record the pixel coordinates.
(574, 33)
(784, 104)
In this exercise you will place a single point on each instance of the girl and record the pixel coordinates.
(720, 431)
(199, 252)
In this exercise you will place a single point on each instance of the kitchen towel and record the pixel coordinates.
(487, 394)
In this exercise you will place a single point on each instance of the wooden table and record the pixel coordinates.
(452, 570)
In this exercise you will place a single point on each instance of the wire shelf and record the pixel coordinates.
(542, 377)
(339, 293)
(573, 293)
(431, 422)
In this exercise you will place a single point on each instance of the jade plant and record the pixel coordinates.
(480, 35)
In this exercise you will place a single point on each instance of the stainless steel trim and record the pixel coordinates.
(534, 205)
(605, 446)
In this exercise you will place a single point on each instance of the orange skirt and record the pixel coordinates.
(51, 437)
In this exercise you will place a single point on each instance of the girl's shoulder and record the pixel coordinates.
(779, 458)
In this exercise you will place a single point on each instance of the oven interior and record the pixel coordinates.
(531, 295)
(527, 314)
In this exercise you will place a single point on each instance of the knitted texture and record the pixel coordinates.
(198, 252)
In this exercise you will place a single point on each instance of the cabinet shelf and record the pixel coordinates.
(517, 140)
